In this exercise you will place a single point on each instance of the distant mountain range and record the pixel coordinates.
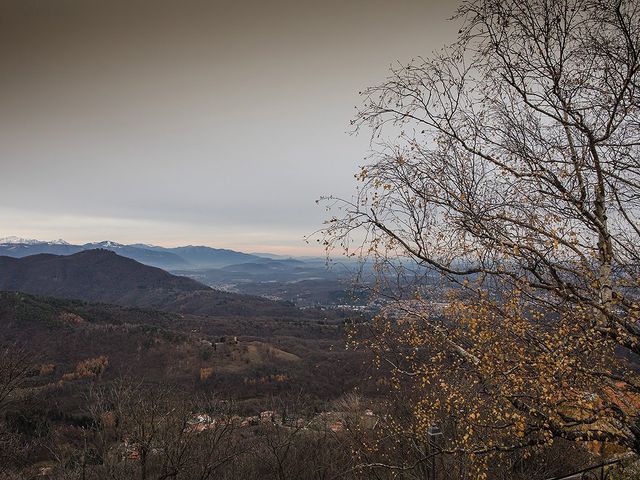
(183, 258)
(305, 281)
(101, 275)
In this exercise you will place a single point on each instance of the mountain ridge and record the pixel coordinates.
(167, 258)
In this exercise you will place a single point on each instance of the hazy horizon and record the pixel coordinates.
(191, 122)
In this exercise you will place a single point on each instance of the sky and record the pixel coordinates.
(191, 122)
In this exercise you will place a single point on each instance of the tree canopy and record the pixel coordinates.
(509, 163)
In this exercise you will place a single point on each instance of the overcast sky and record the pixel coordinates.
(191, 122)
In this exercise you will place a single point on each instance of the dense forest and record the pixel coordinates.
(102, 391)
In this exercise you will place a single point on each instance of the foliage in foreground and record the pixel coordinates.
(512, 174)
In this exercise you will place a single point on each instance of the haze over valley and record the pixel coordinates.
(305, 281)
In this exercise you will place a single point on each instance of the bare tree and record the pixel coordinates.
(509, 164)
(14, 369)
(153, 432)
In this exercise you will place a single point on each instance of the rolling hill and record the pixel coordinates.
(104, 276)
(72, 345)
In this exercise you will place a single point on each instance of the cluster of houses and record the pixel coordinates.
(201, 422)
(330, 420)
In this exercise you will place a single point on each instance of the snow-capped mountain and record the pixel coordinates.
(13, 240)
(104, 244)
